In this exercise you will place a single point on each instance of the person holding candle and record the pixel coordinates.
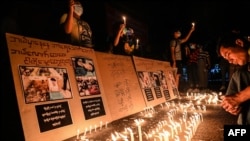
(175, 51)
(123, 41)
(78, 30)
(237, 97)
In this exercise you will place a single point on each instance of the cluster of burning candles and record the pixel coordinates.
(179, 122)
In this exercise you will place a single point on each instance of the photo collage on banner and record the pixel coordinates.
(56, 86)
(44, 83)
(171, 80)
(86, 79)
(155, 80)
(146, 84)
(152, 76)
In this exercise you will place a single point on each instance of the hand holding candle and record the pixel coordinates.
(124, 19)
(137, 43)
(193, 24)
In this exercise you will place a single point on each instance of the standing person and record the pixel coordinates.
(237, 97)
(123, 41)
(192, 53)
(203, 67)
(175, 51)
(78, 30)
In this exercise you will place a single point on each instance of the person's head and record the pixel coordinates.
(233, 50)
(192, 45)
(128, 31)
(78, 9)
(177, 33)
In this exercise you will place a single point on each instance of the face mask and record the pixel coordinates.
(78, 9)
(192, 47)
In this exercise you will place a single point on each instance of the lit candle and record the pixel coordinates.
(77, 134)
(176, 138)
(131, 134)
(165, 135)
(124, 137)
(160, 138)
(193, 23)
(100, 125)
(90, 128)
(106, 126)
(146, 135)
(179, 125)
(124, 19)
(113, 137)
(161, 106)
(86, 129)
(186, 137)
(95, 127)
(139, 128)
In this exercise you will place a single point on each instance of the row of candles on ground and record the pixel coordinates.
(173, 108)
(90, 130)
(208, 98)
(165, 130)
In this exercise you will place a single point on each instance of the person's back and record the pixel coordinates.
(78, 30)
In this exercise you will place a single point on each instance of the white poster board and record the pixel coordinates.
(120, 84)
(54, 103)
(154, 79)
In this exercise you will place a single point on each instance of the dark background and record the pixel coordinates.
(40, 19)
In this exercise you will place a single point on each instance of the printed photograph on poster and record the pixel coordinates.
(85, 74)
(44, 83)
(144, 79)
(151, 79)
(171, 79)
(155, 79)
(163, 80)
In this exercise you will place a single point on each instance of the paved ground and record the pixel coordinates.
(209, 128)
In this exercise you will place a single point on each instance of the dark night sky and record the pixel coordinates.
(40, 19)
(213, 18)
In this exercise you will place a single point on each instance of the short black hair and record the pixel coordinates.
(226, 40)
